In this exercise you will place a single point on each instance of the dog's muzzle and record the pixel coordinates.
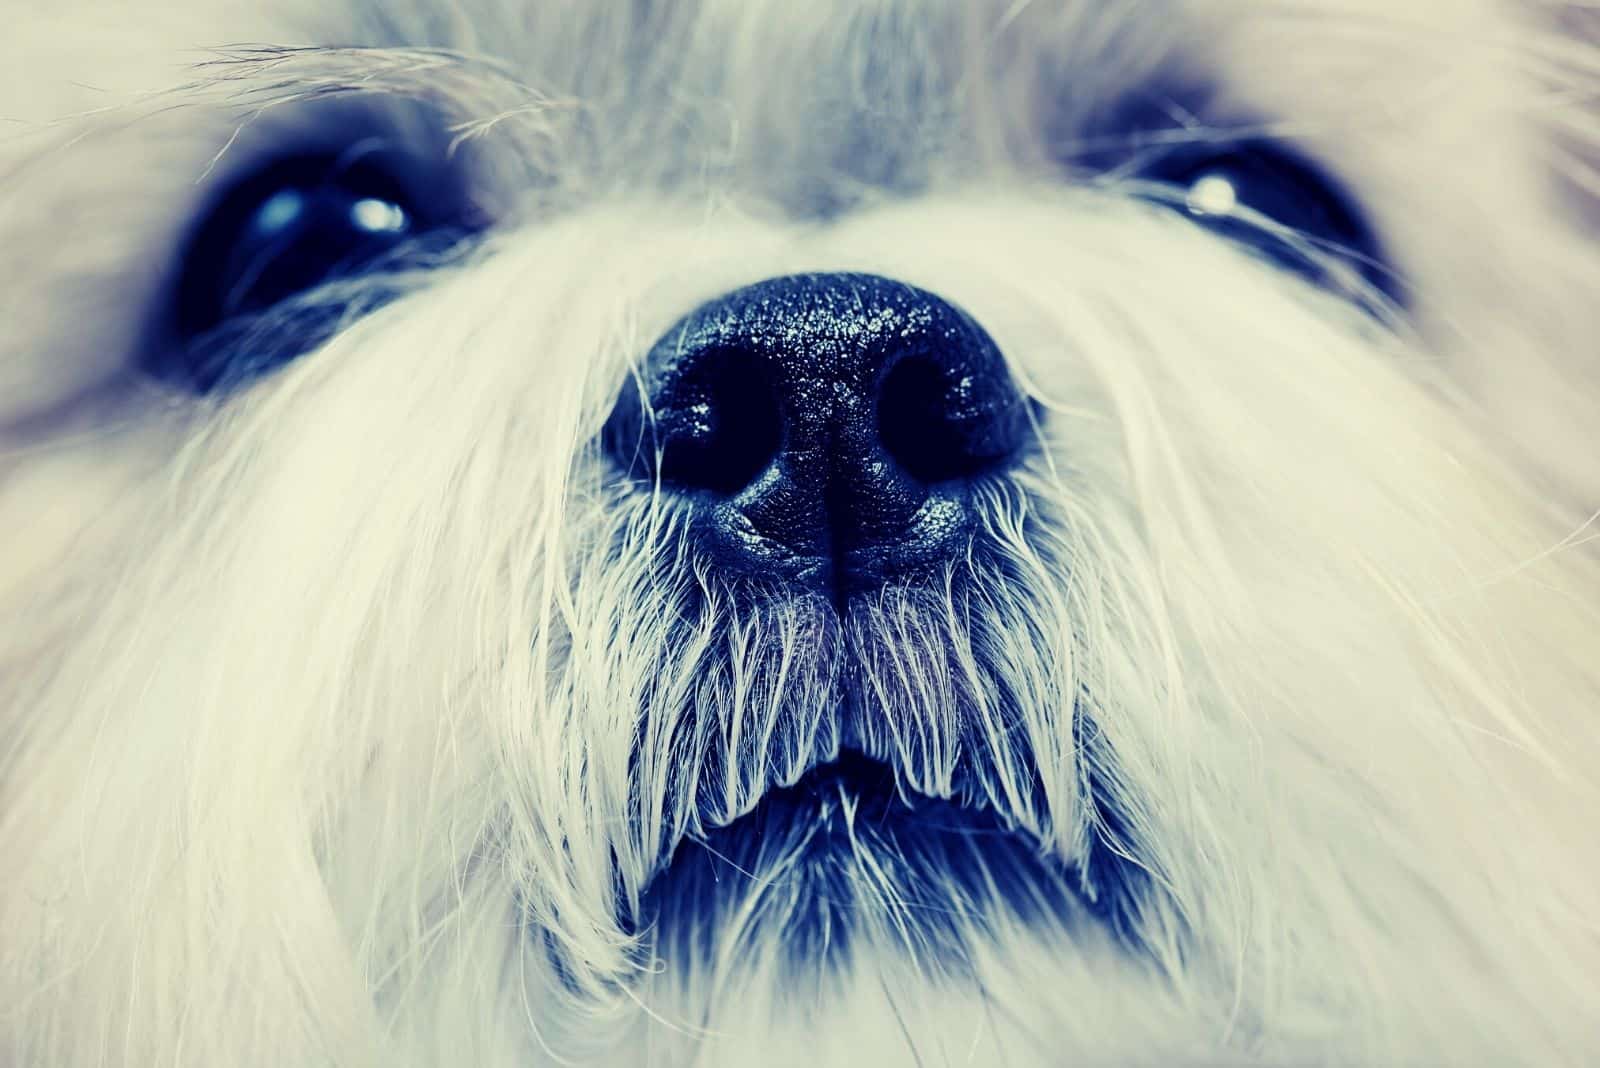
(838, 445)
(828, 427)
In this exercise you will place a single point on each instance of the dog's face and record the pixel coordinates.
(887, 533)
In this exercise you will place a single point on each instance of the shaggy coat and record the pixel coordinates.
(364, 715)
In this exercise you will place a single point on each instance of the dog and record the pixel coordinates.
(724, 532)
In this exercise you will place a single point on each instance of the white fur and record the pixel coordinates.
(316, 701)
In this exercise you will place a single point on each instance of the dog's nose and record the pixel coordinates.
(829, 427)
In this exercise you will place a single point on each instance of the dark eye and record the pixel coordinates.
(278, 235)
(1263, 196)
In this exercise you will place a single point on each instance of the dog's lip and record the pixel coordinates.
(867, 783)
(947, 860)
(850, 773)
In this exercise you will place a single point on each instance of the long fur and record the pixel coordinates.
(347, 719)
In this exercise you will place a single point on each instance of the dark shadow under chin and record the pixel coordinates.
(842, 859)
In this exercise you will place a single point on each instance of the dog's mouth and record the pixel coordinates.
(846, 857)
(904, 778)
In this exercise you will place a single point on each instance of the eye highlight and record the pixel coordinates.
(285, 231)
(1265, 197)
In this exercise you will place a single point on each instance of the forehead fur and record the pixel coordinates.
(887, 57)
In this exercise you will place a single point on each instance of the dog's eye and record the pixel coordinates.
(1264, 197)
(297, 225)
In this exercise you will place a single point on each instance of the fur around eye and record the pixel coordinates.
(1266, 197)
(279, 235)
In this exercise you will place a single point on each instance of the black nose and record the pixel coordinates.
(829, 427)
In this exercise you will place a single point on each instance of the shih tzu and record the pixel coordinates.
(734, 532)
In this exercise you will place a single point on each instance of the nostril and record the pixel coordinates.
(942, 423)
(722, 425)
(715, 427)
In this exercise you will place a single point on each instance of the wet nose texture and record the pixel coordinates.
(828, 428)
